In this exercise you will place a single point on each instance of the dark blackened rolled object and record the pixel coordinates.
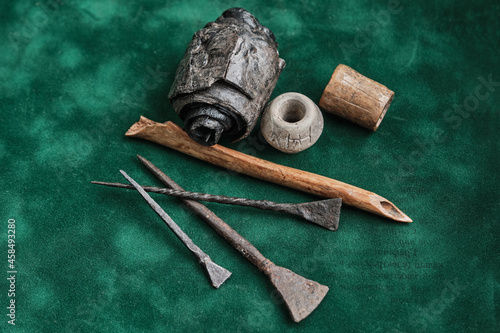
(225, 78)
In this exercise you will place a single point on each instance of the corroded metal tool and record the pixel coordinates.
(300, 295)
(323, 212)
(216, 273)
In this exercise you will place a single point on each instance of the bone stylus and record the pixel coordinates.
(301, 295)
(171, 135)
(322, 212)
(216, 273)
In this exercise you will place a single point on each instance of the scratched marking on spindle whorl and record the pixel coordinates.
(291, 123)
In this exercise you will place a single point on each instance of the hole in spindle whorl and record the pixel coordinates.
(292, 111)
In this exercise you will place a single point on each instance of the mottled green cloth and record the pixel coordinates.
(75, 75)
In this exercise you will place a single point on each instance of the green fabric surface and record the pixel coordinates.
(77, 74)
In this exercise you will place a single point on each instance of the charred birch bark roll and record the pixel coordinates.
(225, 78)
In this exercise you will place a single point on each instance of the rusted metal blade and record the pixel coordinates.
(216, 273)
(301, 295)
(325, 213)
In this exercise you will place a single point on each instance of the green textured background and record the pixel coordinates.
(76, 74)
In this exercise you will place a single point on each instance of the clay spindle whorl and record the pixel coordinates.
(355, 97)
(291, 123)
(226, 76)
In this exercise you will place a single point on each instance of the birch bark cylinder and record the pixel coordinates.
(355, 97)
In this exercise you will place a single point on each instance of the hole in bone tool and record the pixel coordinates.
(389, 208)
(292, 111)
